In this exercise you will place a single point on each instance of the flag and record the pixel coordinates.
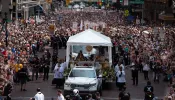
(81, 25)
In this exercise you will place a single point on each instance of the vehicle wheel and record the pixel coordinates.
(100, 91)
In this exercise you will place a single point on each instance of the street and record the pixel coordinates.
(111, 93)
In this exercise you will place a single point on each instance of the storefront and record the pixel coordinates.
(137, 7)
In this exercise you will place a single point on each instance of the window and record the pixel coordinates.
(83, 73)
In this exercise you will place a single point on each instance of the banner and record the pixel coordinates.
(67, 2)
(75, 24)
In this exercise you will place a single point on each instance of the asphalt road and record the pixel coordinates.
(110, 93)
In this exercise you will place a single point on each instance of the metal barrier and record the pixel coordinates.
(55, 98)
(28, 98)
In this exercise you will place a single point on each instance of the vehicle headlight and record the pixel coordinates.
(94, 84)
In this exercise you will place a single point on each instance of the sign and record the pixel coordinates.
(126, 13)
(136, 1)
(166, 17)
(125, 3)
(114, 1)
(75, 24)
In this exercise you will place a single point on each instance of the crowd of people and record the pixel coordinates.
(136, 45)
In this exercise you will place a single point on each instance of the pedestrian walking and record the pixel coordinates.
(23, 78)
(145, 71)
(117, 68)
(35, 68)
(121, 78)
(135, 74)
(46, 69)
(39, 95)
(149, 91)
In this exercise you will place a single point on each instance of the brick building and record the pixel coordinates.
(158, 10)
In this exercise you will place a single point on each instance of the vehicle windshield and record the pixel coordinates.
(83, 73)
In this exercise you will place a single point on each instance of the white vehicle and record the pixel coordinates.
(83, 78)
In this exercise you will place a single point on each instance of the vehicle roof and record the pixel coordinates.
(84, 68)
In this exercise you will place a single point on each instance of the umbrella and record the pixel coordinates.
(146, 32)
(76, 6)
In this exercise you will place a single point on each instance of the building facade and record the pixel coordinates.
(5, 8)
(154, 8)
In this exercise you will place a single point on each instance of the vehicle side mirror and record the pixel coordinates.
(100, 76)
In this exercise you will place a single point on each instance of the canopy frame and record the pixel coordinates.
(107, 42)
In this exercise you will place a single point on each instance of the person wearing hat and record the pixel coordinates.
(76, 95)
(39, 95)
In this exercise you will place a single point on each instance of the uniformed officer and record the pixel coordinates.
(60, 42)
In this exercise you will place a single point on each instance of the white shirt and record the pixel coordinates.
(117, 67)
(56, 67)
(146, 67)
(61, 97)
(121, 79)
(39, 96)
(56, 74)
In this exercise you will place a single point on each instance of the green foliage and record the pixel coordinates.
(67, 71)
(108, 73)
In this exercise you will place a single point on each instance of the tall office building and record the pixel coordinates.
(5, 6)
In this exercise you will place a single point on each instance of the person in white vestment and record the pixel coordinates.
(121, 78)
(61, 74)
(117, 69)
(39, 95)
(56, 77)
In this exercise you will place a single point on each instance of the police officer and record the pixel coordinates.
(35, 68)
(60, 42)
(149, 95)
(63, 38)
(46, 69)
(135, 72)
